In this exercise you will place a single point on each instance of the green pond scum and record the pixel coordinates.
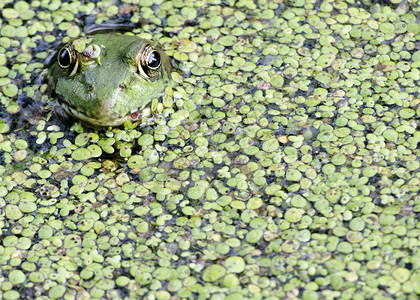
(282, 161)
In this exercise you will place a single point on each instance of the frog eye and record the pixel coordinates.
(148, 61)
(67, 59)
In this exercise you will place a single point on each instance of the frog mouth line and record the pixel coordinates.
(71, 110)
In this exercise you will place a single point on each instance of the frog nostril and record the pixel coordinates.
(122, 87)
(90, 87)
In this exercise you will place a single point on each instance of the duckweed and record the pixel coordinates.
(283, 161)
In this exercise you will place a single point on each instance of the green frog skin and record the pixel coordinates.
(106, 79)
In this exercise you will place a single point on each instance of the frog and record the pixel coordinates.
(105, 79)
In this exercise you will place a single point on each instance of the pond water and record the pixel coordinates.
(284, 162)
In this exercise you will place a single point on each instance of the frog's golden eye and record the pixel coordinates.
(67, 59)
(148, 61)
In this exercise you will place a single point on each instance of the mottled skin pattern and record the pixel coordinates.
(109, 90)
